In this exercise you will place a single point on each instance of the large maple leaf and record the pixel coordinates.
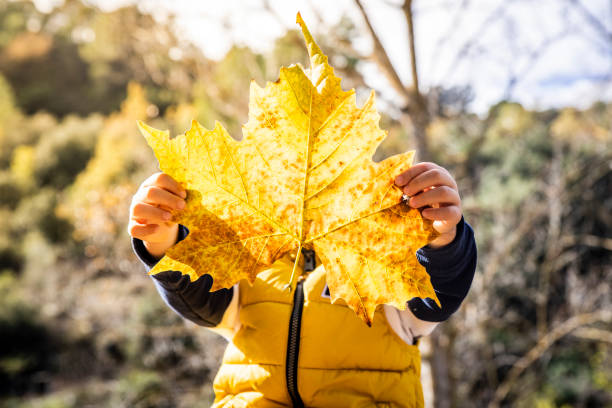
(302, 177)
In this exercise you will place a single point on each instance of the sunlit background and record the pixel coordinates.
(514, 97)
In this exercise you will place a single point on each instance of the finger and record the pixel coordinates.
(141, 231)
(437, 195)
(451, 214)
(405, 177)
(158, 196)
(431, 178)
(149, 214)
(166, 182)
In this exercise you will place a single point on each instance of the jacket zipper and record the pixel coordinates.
(295, 324)
(293, 345)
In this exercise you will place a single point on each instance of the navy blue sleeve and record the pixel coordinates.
(192, 300)
(451, 269)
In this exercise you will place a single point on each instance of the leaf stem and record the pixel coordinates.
(297, 258)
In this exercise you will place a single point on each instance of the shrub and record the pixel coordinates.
(64, 152)
(140, 389)
(10, 193)
(38, 213)
(11, 258)
(26, 346)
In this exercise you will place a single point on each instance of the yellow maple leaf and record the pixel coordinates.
(302, 177)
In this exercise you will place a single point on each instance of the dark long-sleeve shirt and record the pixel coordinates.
(451, 269)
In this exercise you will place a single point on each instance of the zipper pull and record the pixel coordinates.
(310, 262)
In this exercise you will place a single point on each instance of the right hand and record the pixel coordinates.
(150, 213)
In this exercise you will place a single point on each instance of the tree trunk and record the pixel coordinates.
(417, 124)
(440, 372)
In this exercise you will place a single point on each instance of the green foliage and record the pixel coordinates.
(7, 102)
(13, 19)
(79, 60)
(11, 257)
(64, 151)
(146, 349)
(142, 389)
(10, 192)
(541, 177)
(51, 401)
(38, 212)
(22, 133)
(25, 344)
(31, 57)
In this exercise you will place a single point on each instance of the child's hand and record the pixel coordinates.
(150, 213)
(431, 186)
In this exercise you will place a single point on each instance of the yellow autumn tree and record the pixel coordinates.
(99, 197)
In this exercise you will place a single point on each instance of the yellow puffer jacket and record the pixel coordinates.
(341, 362)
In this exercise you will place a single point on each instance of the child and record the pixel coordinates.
(297, 349)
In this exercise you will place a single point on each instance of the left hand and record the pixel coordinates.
(431, 186)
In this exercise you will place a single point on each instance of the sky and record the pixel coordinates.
(553, 48)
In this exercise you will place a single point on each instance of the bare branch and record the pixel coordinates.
(382, 59)
(507, 245)
(316, 12)
(533, 57)
(554, 188)
(543, 345)
(594, 21)
(590, 333)
(392, 4)
(343, 45)
(413, 103)
(268, 7)
(587, 240)
(452, 28)
(407, 8)
(498, 13)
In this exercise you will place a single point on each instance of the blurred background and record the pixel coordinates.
(513, 96)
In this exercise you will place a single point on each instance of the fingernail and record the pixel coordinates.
(398, 180)
(167, 216)
(181, 205)
(183, 194)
